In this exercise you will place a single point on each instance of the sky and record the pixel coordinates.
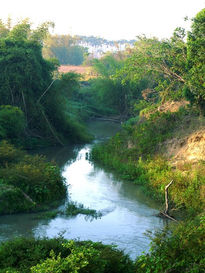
(110, 19)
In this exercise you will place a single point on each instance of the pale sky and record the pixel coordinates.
(110, 19)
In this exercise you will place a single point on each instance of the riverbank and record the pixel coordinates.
(147, 152)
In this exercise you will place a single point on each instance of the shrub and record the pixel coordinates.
(9, 154)
(12, 122)
(12, 200)
(27, 177)
(182, 250)
(40, 179)
(60, 255)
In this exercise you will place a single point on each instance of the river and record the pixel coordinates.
(126, 212)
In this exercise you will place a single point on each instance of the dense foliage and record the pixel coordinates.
(179, 250)
(196, 60)
(12, 122)
(131, 84)
(59, 255)
(27, 183)
(31, 83)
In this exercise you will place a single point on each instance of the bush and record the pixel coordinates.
(182, 250)
(30, 177)
(12, 200)
(134, 157)
(40, 179)
(12, 122)
(60, 255)
(9, 154)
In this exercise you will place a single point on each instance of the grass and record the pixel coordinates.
(48, 215)
(74, 208)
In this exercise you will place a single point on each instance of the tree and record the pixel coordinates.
(24, 74)
(12, 122)
(162, 61)
(65, 48)
(196, 61)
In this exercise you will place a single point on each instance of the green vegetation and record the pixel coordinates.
(153, 71)
(196, 54)
(59, 255)
(32, 84)
(136, 157)
(179, 250)
(170, 70)
(27, 183)
(65, 48)
(12, 122)
(46, 215)
(40, 106)
(160, 70)
(73, 209)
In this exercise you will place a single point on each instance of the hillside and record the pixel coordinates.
(188, 141)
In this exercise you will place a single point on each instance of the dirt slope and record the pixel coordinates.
(187, 149)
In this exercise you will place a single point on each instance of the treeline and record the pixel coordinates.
(150, 72)
(65, 48)
(97, 41)
(74, 50)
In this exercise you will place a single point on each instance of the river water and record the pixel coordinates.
(126, 212)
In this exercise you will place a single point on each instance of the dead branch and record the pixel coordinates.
(165, 213)
(28, 198)
(166, 197)
(45, 91)
(162, 214)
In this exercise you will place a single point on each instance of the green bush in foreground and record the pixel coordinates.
(59, 255)
(180, 251)
(177, 249)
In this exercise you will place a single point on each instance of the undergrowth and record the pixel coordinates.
(27, 183)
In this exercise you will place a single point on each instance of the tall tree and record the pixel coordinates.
(196, 60)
